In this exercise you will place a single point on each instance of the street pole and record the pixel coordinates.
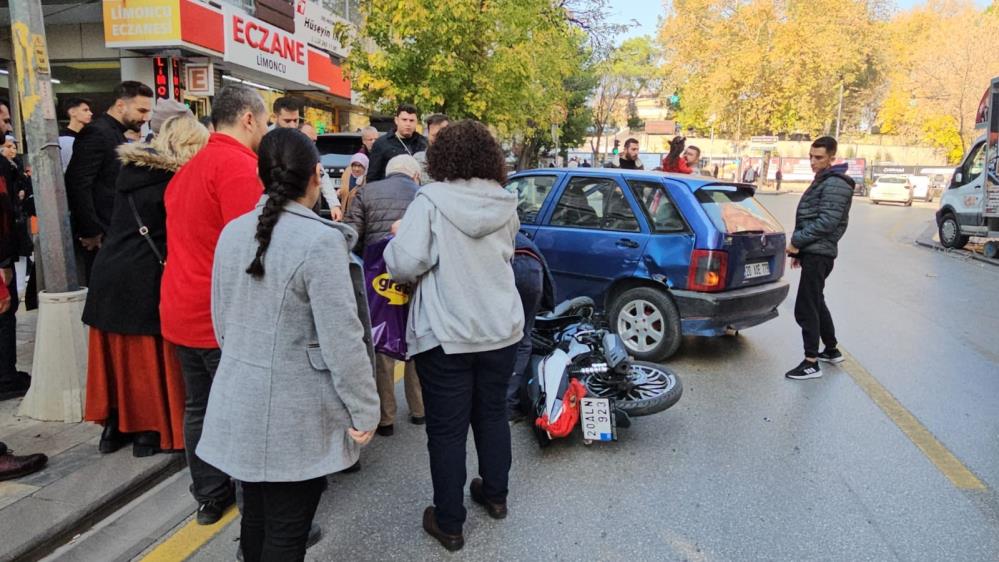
(839, 114)
(59, 368)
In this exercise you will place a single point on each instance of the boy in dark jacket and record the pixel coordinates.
(821, 220)
(537, 292)
(403, 140)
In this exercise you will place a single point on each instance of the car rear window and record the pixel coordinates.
(335, 152)
(736, 211)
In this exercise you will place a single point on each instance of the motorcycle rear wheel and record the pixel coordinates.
(655, 388)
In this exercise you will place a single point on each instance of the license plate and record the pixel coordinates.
(596, 416)
(754, 270)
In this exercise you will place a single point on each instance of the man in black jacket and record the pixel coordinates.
(821, 220)
(93, 169)
(629, 158)
(403, 140)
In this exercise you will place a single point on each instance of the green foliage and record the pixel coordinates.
(504, 62)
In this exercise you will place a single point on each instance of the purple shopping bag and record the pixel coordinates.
(388, 303)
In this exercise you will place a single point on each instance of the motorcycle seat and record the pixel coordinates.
(564, 314)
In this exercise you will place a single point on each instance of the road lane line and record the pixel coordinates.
(189, 539)
(945, 461)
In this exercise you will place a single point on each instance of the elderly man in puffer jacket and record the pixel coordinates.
(820, 222)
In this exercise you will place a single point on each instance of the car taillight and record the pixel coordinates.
(708, 270)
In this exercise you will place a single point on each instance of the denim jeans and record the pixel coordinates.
(529, 275)
(458, 390)
(277, 517)
(199, 366)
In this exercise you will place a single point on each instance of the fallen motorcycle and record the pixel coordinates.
(580, 374)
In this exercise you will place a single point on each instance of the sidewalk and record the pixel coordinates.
(40, 512)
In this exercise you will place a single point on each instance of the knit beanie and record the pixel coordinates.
(165, 109)
(360, 159)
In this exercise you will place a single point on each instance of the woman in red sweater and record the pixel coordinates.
(674, 161)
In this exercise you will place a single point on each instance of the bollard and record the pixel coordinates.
(61, 355)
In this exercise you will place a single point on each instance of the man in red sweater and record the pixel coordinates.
(219, 184)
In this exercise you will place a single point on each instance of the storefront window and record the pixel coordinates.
(94, 80)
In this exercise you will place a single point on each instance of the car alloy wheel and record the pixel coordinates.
(640, 325)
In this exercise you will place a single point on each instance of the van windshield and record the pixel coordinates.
(736, 211)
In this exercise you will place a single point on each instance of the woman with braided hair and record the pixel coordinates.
(294, 396)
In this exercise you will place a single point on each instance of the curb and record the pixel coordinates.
(962, 253)
(54, 536)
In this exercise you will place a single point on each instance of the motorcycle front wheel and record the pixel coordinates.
(652, 388)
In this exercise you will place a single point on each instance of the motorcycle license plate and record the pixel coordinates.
(596, 416)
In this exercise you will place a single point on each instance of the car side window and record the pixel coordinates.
(659, 209)
(596, 203)
(531, 193)
(973, 166)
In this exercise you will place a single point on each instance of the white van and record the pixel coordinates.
(970, 205)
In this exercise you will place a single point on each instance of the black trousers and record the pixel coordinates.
(810, 310)
(277, 517)
(459, 390)
(199, 366)
(530, 278)
(8, 333)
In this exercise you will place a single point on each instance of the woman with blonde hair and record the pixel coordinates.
(134, 384)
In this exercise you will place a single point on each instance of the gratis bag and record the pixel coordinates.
(388, 303)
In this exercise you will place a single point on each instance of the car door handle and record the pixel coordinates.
(627, 243)
(527, 234)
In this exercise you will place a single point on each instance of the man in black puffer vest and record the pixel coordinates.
(821, 220)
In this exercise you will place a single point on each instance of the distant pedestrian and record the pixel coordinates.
(629, 158)
(402, 140)
(573, 162)
(219, 184)
(820, 222)
(93, 169)
(586, 164)
(778, 177)
(369, 135)
(135, 388)
(750, 175)
(294, 397)
(674, 161)
(79, 114)
(355, 178)
(454, 246)
(435, 123)
(372, 212)
(692, 156)
(714, 171)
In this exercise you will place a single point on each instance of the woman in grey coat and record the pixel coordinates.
(294, 397)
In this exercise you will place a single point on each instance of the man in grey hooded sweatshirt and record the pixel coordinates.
(454, 245)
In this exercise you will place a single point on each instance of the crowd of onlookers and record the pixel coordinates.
(223, 311)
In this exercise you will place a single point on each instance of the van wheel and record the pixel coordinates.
(950, 233)
(648, 322)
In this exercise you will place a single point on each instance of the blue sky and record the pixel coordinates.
(647, 12)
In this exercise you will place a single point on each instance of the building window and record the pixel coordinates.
(249, 6)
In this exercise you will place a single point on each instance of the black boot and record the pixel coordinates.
(146, 444)
(111, 438)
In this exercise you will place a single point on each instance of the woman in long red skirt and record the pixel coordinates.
(134, 384)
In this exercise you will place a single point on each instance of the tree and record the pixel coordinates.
(624, 73)
(939, 73)
(769, 66)
(503, 62)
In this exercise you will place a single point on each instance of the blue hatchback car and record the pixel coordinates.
(664, 255)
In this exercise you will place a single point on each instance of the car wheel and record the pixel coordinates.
(873, 202)
(648, 322)
(908, 203)
(950, 233)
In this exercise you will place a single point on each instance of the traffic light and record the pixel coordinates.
(674, 100)
(616, 150)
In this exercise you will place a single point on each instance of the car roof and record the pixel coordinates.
(692, 182)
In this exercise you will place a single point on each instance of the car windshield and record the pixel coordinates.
(736, 211)
(335, 151)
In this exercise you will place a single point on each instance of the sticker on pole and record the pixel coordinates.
(41, 55)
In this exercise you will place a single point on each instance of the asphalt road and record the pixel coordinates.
(748, 465)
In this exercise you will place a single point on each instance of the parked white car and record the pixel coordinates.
(921, 188)
(892, 189)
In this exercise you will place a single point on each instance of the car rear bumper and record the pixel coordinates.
(891, 197)
(711, 314)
